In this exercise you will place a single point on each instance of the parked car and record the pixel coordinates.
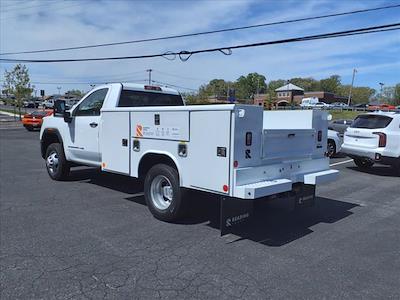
(30, 104)
(309, 102)
(35, 119)
(360, 105)
(49, 103)
(374, 138)
(339, 125)
(334, 142)
(321, 105)
(339, 105)
(386, 107)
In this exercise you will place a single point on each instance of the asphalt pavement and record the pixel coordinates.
(93, 237)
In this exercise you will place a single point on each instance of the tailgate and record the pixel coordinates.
(288, 143)
(361, 138)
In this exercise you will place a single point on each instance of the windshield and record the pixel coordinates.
(39, 113)
(130, 98)
(371, 121)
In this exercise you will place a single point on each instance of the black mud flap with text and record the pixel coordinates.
(305, 196)
(235, 213)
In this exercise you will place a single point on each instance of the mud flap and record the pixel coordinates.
(235, 213)
(304, 196)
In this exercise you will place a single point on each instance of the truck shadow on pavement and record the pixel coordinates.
(386, 171)
(274, 223)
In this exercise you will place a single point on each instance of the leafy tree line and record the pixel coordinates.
(245, 87)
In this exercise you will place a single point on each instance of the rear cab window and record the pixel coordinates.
(131, 98)
(371, 121)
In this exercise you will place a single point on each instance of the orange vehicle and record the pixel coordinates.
(34, 119)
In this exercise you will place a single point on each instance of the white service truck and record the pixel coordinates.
(236, 151)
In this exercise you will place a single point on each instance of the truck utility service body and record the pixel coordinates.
(236, 151)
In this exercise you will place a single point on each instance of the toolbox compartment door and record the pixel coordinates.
(288, 143)
(115, 142)
(209, 150)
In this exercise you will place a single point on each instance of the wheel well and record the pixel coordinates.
(47, 139)
(151, 159)
(332, 140)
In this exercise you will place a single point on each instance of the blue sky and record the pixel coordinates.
(32, 25)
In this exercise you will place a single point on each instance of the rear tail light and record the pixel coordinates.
(249, 138)
(319, 135)
(382, 138)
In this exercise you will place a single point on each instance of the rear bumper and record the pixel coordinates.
(271, 187)
(360, 152)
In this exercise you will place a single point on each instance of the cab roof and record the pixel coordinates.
(148, 88)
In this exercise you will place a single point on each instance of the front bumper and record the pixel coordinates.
(271, 187)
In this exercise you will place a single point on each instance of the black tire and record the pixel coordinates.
(331, 148)
(363, 163)
(60, 170)
(157, 178)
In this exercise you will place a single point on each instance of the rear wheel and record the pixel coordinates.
(331, 149)
(363, 163)
(56, 163)
(163, 193)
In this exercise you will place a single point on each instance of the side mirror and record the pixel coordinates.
(59, 108)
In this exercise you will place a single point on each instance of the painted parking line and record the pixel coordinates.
(341, 162)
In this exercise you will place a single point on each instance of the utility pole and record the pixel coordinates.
(59, 90)
(351, 87)
(381, 84)
(34, 89)
(149, 70)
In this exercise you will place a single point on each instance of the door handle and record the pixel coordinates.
(93, 124)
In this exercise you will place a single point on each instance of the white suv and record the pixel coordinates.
(374, 138)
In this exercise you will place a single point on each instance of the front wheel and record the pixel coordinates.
(363, 163)
(163, 193)
(56, 163)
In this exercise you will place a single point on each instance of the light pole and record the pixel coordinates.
(381, 84)
(149, 70)
(92, 86)
(351, 87)
(59, 90)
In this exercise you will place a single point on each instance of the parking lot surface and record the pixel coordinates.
(93, 237)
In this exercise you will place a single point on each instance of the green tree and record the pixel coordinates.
(248, 86)
(397, 94)
(359, 94)
(331, 84)
(215, 88)
(75, 93)
(17, 83)
(308, 84)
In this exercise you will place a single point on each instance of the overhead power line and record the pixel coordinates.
(205, 32)
(173, 85)
(185, 55)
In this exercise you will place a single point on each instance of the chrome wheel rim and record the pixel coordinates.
(161, 192)
(52, 162)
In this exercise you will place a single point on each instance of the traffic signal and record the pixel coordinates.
(42, 93)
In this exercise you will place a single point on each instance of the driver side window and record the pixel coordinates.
(92, 104)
